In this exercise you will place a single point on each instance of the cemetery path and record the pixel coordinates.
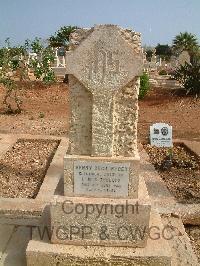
(45, 111)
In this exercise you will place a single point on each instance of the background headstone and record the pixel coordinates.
(183, 58)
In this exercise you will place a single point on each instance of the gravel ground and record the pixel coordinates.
(23, 167)
(193, 232)
(179, 169)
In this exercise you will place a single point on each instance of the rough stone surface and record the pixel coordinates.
(132, 182)
(182, 252)
(106, 59)
(184, 58)
(125, 120)
(156, 253)
(80, 134)
(189, 213)
(106, 222)
(104, 64)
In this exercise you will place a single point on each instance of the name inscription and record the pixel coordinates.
(101, 178)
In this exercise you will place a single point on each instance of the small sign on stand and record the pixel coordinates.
(161, 135)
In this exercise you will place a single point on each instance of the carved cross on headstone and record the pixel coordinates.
(104, 63)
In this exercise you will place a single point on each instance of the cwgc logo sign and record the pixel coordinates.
(161, 135)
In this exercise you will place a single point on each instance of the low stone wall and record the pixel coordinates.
(23, 211)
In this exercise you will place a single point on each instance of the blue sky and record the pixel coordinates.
(158, 20)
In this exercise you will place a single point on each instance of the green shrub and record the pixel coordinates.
(41, 64)
(162, 72)
(189, 77)
(14, 64)
(144, 85)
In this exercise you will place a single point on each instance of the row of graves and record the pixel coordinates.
(105, 214)
(156, 63)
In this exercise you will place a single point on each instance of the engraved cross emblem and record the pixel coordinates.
(103, 63)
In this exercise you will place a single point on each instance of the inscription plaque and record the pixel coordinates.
(101, 178)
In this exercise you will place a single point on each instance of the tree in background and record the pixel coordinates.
(149, 53)
(186, 41)
(15, 68)
(164, 51)
(189, 77)
(12, 63)
(41, 63)
(61, 37)
(189, 73)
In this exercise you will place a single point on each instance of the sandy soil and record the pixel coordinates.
(165, 105)
(45, 111)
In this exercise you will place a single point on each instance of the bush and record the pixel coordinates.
(189, 77)
(41, 64)
(144, 85)
(14, 64)
(162, 72)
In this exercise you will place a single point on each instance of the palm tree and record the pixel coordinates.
(185, 41)
(61, 37)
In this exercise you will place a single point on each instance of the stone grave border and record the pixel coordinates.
(189, 213)
(179, 245)
(23, 211)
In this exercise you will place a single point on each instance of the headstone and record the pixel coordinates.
(103, 161)
(173, 62)
(104, 68)
(101, 177)
(161, 135)
(103, 88)
(183, 58)
(105, 204)
(153, 57)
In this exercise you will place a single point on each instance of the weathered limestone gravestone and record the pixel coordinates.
(105, 210)
(103, 160)
(161, 135)
(184, 58)
(104, 65)
(103, 90)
